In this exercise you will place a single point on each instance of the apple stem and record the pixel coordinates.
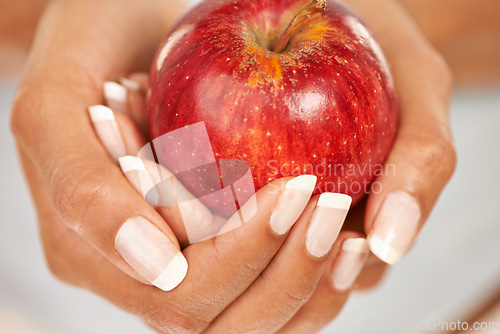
(312, 7)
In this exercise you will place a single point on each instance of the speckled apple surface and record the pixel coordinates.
(324, 105)
(451, 272)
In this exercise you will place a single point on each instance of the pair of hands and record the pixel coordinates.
(249, 279)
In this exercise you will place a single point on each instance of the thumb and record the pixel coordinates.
(421, 163)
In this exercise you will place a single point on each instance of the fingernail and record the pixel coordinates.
(395, 227)
(291, 203)
(349, 263)
(130, 84)
(107, 130)
(115, 96)
(326, 222)
(150, 253)
(135, 171)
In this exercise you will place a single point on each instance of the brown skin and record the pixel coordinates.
(18, 20)
(466, 33)
(75, 184)
(461, 30)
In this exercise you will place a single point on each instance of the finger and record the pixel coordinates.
(129, 97)
(115, 96)
(137, 81)
(57, 238)
(219, 271)
(372, 274)
(133, 138)
(190, 220)
(74, 261)
(291, 277)
(346, 261)
(423, 157)
(374, 269)
(115, 131)
(137, 85)
(52, 127)
(187, 216)
(221, 268)
(83, 185)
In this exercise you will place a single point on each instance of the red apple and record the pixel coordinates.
(288, 86)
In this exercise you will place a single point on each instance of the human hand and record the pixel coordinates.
(250, 278)
(49, 86)
(423, 156)
(342, 267)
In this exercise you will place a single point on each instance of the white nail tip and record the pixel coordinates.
(173, 275)
(383, 250)
(335, 201)
(101, 113)
(358, 245)
(302, 182)
(130, 84)
(130, 163)
(115, 91)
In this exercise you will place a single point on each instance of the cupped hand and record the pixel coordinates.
(83, 200)
(423, 157)
(302, 287)
(277, 271)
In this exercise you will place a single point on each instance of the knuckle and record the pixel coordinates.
(440, 71)
(23, 104)
(57, 265)
(451, 161)
(177, 326)
(77, 192)
(293, 292)
(170, 320)
(436, 151)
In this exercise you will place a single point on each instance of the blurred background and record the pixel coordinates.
(452, 274)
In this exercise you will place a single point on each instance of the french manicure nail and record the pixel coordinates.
(326, 222)
(115, 96)
(135, 171)
(107, 130)
(395, 227)
(291, 203)
(130, 84)
(349, 263)
(150, 253)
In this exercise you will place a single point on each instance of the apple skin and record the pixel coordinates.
(326, 105)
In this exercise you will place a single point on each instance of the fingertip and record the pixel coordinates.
(100, 113)
(173, 275)
(107, 130)
(140, 79)
(130, 84)
(326, 222)
(335, 201)
(291, 203)
(349, 262)
(136, 173)
(302, 182)
(114, 92)
(395, 226)
(115, 96)
(151, 253)
(131, 163)
(383, 250)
